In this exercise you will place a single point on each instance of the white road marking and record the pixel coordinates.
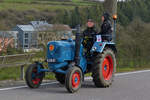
(86, 78)
(11, 88)
(19, 87)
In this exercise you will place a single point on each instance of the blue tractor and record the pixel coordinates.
(68, 61)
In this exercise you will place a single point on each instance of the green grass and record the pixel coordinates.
(23, 1)
(23, 5)
(130, 69)
(9, 73)
(13, 73)
(76, 1)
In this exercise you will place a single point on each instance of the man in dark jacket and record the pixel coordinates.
(89, 36)
(106, 28)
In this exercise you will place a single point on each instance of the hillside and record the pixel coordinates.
(21, 5)
(70, 12)
(22, 11)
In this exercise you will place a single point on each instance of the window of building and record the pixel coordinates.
(26, 35)
(26, 41)
(26, 46)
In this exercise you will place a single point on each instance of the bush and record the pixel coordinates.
(133, 44)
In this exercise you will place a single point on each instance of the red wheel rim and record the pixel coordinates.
(36, 81)
(75, 80)
(35, 78)
(107, 67)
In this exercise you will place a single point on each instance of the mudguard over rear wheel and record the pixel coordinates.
(32, 77)
(73, 79)
(104, 68)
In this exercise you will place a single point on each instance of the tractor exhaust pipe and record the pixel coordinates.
(114, 27)
(77, 46)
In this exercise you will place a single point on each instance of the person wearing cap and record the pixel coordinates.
(106, 28)
(89, 36)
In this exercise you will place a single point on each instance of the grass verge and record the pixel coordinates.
(13, 73)
(19, 5)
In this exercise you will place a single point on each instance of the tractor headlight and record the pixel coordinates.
(94, 48)
(51, 47)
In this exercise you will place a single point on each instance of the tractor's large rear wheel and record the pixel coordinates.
(32, 77)
(73, 79)
(104, 68)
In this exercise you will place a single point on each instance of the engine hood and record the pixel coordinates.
(63, 50)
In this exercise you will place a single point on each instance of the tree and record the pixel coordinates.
(75, 17)
(5, 42)
(110, 6)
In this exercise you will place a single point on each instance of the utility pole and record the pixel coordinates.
(110, 6)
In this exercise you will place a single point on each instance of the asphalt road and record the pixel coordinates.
(127, 86)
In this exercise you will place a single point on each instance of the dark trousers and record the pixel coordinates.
(106, 37)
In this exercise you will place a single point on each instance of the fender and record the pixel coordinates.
(99, 46)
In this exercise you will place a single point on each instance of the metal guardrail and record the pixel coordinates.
(16, 60)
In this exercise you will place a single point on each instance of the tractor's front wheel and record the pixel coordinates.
(32, 77)
(104, 68)
(73, 79)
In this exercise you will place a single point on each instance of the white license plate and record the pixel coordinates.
(51, 60)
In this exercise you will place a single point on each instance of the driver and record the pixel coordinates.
(89, 36)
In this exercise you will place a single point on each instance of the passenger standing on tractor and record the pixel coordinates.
(89, 36)
(106, 28)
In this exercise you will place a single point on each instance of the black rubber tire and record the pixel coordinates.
(28, 76)
(97, 74)
(68, 80)
(60, 78)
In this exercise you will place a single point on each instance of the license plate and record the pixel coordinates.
(51, 60)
